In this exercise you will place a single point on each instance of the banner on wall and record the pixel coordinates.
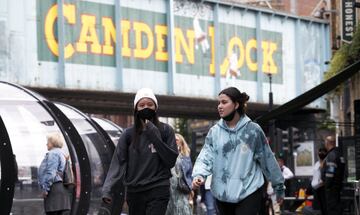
(90, 38)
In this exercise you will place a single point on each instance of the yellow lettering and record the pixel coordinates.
(235, 41)
(251, 44)
(88, 35)
(109, 35)
(51, 16)
(139, 51)
(125, 28)
(160, 54)
(188, 47)
(224, 66)
(268, 61)
(212, 63)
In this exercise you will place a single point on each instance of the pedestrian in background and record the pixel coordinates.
(237, 154)
(333, 176)
(287, 174)
(143, 158)
(179, 202)
(317, 188)
(56, 196)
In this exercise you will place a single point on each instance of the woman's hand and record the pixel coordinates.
(144, 122)
(197, 182)
(280, 201)
(107, 200)
(44, 194)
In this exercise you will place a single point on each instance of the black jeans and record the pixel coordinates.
(149, 202)
(64, 212)
(333, 204)
(319, 194)
(249, 206)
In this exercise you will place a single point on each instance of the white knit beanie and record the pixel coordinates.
(145, 93)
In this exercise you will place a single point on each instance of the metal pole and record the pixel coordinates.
(61, 41)
(118, 47)
(298, 58)
(170, 42)
(259, 55)
(217, 53)
(274, 145)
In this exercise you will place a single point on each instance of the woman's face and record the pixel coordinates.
(178, 142)
(49, 146)
(226, 105)
(146, 103)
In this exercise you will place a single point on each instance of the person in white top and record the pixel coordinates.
(287, 174)
(317, 186)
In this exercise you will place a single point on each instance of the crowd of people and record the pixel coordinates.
(231, 172)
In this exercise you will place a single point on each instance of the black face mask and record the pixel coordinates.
(146, 113)
(229, 117)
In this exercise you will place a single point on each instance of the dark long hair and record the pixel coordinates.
(138, 127)
(236, 96)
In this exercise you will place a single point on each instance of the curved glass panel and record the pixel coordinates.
(28, 125)
(94, 144)
(112, 129)
(11, 93)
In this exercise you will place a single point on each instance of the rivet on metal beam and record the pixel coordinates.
(246, 9)
(230, 9)
(310, 23)
(271, 16)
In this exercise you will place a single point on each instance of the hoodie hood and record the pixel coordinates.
(244, 119)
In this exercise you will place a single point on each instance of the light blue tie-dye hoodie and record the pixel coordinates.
(238, 157)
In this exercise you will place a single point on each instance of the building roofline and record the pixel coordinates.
(269, 11)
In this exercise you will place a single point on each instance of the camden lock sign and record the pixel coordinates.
(90, 38)
(348, 19)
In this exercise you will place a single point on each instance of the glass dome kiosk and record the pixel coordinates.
(26, 118)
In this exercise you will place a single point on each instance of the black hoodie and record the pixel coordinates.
(146, 167)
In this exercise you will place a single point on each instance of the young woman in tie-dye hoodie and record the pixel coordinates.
(238, 156)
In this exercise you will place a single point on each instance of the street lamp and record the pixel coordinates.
(272, 122)
(270, 93)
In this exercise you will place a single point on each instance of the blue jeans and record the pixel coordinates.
(210, 203)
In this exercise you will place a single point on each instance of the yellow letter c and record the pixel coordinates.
(69, 13)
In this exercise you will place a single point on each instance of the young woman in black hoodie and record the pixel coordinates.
(143, 158)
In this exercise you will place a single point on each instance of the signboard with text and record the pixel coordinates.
(348, 20)
(251, 43)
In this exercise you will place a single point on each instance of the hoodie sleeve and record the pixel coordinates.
(166, 150)
(204, 162)
(268, 163)
(117, 168)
